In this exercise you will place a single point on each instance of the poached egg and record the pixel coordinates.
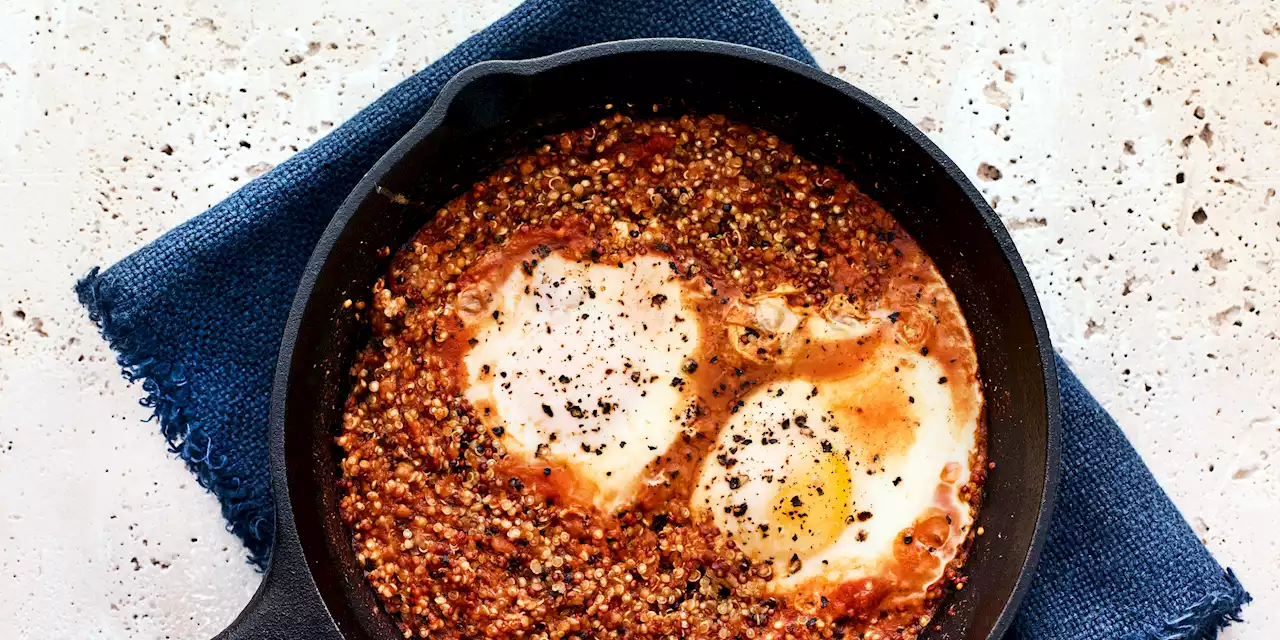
(581, 363)
(830, 474)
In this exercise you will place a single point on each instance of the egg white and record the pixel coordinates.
(581, 363)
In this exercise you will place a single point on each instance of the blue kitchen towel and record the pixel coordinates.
(197, 317)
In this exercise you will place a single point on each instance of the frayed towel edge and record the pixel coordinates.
(1211, 614)
(167, 395)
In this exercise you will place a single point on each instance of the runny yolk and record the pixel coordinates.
(810, 508)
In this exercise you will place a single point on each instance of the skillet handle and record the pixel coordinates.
(287, 606)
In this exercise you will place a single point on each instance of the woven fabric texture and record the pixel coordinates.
(197, 318)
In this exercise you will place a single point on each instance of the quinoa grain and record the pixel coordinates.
(457, 545)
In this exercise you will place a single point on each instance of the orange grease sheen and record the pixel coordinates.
(721, 383)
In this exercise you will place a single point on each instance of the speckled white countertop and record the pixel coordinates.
(1133, 149)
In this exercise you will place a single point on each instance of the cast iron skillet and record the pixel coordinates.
(315, 590)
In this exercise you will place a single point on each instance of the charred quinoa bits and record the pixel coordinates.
(663, 379)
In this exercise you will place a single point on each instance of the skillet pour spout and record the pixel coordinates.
(315, 588)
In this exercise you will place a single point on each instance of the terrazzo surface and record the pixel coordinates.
(1132, 148)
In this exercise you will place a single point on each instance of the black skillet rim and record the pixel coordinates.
(435, 116)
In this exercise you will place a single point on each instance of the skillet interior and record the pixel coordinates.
(494, 110)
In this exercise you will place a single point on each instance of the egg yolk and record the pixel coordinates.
(808, 510)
